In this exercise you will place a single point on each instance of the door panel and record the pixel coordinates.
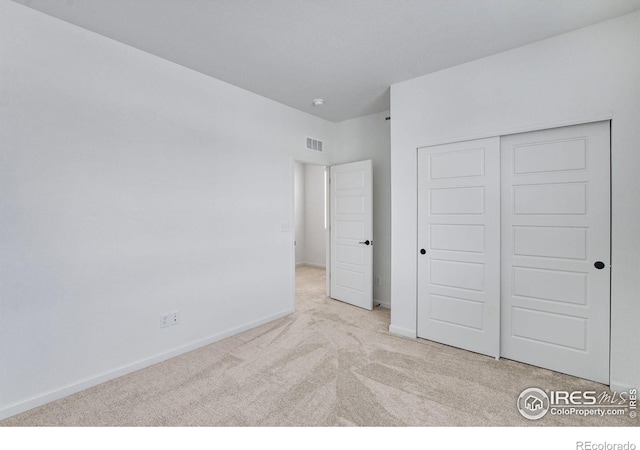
(555, 226)
(352, 226)
(459, 231)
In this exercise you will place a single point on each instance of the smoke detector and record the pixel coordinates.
(318, 102)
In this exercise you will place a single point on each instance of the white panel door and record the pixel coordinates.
(555, 231)
(459, 245)
(352, 233)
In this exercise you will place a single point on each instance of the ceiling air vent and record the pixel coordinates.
(314, 144)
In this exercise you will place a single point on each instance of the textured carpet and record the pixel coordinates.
(329, 364)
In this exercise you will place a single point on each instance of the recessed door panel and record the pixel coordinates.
(350, 204)
(457, 200)
(350, 229)
(551, 285)
(551, 156)
(465, 163)
(550, 199)
(350, 255)
(549, 329)
(457, 237)
(457, 274)
(550, 242)
(456, 311)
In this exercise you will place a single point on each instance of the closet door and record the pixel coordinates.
(459, 245)
(556, 249)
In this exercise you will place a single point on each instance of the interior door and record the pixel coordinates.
(556, 249)
(352, 233)
(459, 245)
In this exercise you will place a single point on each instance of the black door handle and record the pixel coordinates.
(365, 242)
(599, 265)
(423, 251)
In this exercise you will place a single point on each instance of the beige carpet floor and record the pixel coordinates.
(329, 364)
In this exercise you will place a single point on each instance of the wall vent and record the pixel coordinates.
(314, 144)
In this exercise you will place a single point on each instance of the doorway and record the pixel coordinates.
(333, 227)
(310, 216)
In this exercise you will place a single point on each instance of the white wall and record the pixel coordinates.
(315, 249)
(129, 187)
(585, 75)
(299, 184)
(363, 138)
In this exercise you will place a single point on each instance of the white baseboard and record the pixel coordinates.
(406, 332)
(383, 303)
(73, 388)
(621, 387)
(321, 266)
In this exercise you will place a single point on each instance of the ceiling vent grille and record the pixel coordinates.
(314, 144)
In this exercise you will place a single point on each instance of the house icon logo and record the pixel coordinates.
(533, 403)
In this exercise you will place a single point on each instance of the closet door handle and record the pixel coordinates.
(365, 242)
(423, 251)
(599, 265)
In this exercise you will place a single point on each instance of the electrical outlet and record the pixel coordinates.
(169, 319)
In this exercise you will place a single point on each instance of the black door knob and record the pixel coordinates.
(423, 251)
(365, 242)
(599, 265)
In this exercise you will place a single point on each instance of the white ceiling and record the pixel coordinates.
(346, 51)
